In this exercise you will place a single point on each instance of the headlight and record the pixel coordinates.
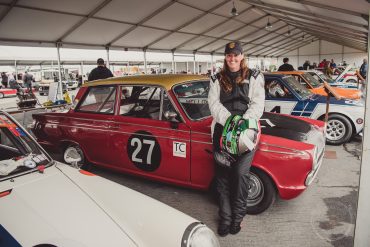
(199, 235)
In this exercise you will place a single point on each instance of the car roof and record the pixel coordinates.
(296, 72)
(167, 81)
(272, 74)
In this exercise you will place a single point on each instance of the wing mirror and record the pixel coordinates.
(170, 115)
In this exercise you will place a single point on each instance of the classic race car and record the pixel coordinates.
(159, 127)
(6, 92)
(321, 77)
(284, 94)
(317, 88)
(47, 203)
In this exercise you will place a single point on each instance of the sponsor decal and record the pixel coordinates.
(144, 151)
(179, 149)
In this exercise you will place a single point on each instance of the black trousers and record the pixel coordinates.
(232, 184)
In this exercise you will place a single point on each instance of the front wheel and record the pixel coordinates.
(338, 130)
(74, 156)
(261, 192)
(1, 95)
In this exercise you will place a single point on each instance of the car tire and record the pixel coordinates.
(41, 93)
(339, 129)
(351, 81)
(1, 95)
(74, 156)
(262, 192)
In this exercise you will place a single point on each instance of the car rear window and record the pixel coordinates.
(98, 100)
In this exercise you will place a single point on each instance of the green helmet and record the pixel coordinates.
(240, 135)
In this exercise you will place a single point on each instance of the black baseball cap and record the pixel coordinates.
(233, 47)
(100, 61)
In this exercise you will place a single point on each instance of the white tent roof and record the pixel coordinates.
(184, 25)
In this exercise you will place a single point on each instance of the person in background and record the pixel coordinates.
(333, 64)
(4, 79)
(314, 65)
(100, 72)
(306, 65)
(235, 91)
(27, 80)
(327, 69)
(322, 63)
(363, 68)
(286, 66)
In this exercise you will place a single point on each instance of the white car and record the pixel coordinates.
(321, 77)
(47, 203)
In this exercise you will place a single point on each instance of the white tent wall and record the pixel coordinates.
(318, 50)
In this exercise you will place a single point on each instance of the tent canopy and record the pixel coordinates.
(189, 26)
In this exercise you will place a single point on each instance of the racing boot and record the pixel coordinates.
(235, 227)
(223, 229)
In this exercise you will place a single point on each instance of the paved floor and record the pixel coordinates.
(324, 215)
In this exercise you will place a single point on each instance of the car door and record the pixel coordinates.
(146, 143)
(89, 124)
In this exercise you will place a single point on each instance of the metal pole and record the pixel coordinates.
(16, 70)
(342, 53)
(82, 72)
(108, 61)
(187, 67)
(60, 86)
(145, 62)
(362, 236)
(173, 61)
(194, 63)
(212, 63)
(319, 51)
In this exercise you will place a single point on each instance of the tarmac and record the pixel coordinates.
(322, 216)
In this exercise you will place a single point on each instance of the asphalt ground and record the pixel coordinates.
(324, 215)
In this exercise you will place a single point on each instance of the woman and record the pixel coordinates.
(236, 90)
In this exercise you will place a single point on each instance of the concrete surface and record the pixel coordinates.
(324, 215)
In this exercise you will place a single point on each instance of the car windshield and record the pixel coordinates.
(314, 83)
(18, 152)
(297, 87)
(326, 78)
(193, 97)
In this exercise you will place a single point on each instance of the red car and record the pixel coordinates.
(5, 92)
(158, 127)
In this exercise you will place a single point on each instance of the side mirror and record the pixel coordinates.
(170, 115)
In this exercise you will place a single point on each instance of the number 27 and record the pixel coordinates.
(137, 142)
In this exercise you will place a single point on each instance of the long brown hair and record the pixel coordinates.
(225, 82)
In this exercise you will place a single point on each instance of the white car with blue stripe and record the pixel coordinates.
(285, 95)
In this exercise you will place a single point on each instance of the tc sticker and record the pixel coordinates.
(179, 149)
(144, 151)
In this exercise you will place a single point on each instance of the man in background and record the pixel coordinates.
(100, 72)
(286, 66)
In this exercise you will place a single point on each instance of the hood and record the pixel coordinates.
(50, 209)
(343, 92)
(291, 128)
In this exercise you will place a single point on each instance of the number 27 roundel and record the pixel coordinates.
(144, 151)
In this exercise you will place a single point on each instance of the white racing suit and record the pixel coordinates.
(232, 183)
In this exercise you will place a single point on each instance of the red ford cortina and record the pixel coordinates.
(158, 127)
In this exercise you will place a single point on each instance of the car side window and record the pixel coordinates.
(145, 102)
(275, 89)
(99, 100)
(140, 101)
